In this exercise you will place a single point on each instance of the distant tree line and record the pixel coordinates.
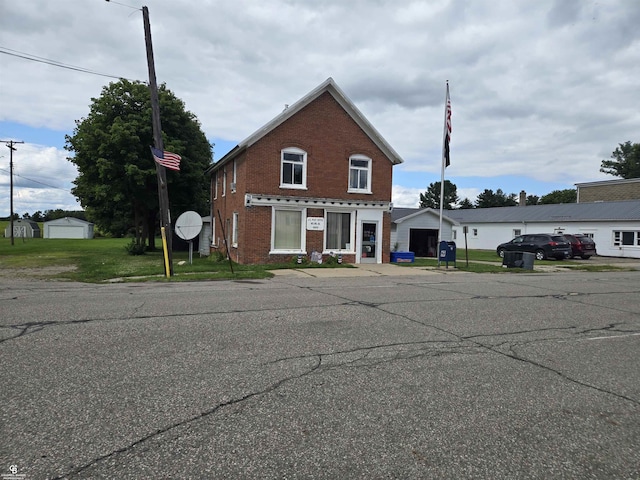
(488, 198)
(48, 215)
(624, 163)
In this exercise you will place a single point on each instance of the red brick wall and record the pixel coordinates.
(329, 136)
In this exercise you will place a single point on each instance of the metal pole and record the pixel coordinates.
(163, 194)
(10, 144)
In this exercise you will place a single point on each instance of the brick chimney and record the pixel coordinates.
(523, 198)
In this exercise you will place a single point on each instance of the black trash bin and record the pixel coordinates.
(512, 259)
(518, 260)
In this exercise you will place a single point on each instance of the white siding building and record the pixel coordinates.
(416, 230)
(614, 226)
(68, 227)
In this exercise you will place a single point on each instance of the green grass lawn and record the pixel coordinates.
(104, 259)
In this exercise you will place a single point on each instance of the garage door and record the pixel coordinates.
(61, 231)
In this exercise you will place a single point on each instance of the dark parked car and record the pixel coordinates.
(581, 245)
(543, 245)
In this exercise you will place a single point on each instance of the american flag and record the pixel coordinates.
(447, 130)
(166, 159)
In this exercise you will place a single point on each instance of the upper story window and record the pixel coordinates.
(359, 174)
(294, 168)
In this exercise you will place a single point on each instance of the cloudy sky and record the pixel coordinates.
(542, 91)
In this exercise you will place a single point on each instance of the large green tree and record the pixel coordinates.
(568, 195)
(431, 198)
(488, 198)
(625, 161)
(117, 183)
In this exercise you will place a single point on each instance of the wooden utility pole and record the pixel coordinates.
(10, 144)
(163, 194)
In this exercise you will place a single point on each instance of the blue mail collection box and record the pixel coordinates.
(447, 251)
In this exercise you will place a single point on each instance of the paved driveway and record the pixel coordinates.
(440, 375)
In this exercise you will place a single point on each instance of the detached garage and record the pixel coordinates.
(68, 227)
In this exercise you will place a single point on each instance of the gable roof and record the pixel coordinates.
(67, 221)
(25, 221)
(332, 88)
(399, 215)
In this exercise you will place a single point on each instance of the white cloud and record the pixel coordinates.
(42, 180)
(541, 90)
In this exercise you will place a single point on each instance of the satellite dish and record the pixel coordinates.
(188, 225)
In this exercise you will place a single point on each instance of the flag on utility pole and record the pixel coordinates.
(166, 159)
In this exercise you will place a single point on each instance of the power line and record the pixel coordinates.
(55, 63)
(34, 181)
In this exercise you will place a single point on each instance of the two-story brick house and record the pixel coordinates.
(316, 178)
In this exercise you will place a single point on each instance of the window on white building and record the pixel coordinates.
(628, 238)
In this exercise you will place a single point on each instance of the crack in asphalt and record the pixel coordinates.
(323, 362)
(512, 354)
(274, 386)
(356, 357)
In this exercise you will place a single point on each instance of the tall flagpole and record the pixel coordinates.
(445, 160)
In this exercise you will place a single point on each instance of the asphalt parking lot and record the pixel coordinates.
(427, 375)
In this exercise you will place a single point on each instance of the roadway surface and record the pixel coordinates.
(434, 375)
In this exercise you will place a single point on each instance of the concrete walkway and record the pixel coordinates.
(394, 270)
(365, 270)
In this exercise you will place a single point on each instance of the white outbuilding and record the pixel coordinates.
(23, 228)
(68, 227)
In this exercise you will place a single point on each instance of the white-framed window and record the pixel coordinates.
(359, 174)
(214, 240)
(293, 169)
(215, 185)
(626, 238)
(475, 232)
(517, 232)
(338, 231)
(234, 230)
(224, 182)
(287, 234)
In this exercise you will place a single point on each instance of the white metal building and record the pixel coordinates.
(68, 227)
(614, 226)
(416, 230)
